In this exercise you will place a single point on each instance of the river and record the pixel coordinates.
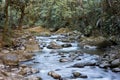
(49, 60)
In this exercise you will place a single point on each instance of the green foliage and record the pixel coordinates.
(111, 21)
(87, 16)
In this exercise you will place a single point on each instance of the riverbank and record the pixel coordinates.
(25, 45)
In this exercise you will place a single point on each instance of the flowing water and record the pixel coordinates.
(48, 60)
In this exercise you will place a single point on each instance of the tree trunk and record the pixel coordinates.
(21, 18)
(6, 23)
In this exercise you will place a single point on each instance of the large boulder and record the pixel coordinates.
(31, 45)
(115, 63)
(54, 45)
(99, 42)
(11, 59)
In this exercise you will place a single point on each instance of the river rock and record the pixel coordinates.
(11, 59)
(83, 76)
(83, 64)
(66, 45)
(54, 45)
(79, 65)
(54, 75)
(104, 65)
(63, 60)
(99, 41)
(76, 74)
(79, 75)
(115, 63)
(116, 69)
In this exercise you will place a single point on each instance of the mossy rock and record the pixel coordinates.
(99, 42)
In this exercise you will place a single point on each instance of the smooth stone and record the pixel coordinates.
(115, 63)
(79, 75)
(116, 69)
(54, 45)
(76, 74)
(66, 45)
(63, 60)
(79, 65)
(54, 75)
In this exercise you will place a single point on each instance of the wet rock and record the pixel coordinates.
(116, 69)
(11, 59)
(79, 75)
(115, 63)
(76, 74)
(83, 76)
(63, 60)
(83, 64)
(54, 75)
(79, 65)
(66, 45)
(104, 65)
(54, 45)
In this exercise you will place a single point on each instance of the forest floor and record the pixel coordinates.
(24, 46)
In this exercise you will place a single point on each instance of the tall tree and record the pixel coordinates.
(6, 22)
